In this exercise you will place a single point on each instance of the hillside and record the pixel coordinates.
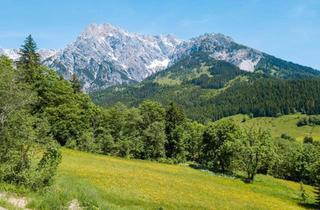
(286, 124)
(115, 183)
(209, 89)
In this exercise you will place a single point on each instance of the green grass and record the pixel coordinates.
(286, 124)
(102, 182)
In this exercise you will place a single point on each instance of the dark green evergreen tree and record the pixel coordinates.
(29, 60)
(76, 84)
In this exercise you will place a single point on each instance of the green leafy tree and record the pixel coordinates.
(151, 112)
(191, 134)
(287, 160)
(219, 146)
(256, 150)
(174, 117)
(154, 141)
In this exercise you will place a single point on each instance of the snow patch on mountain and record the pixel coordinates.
(158, 64)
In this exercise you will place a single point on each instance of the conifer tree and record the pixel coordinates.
(29, 59)
(76, 85)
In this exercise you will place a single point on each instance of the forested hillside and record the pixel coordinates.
(209, 90)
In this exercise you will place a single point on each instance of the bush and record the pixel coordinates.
(47, 167)
(287, 137)
(308, 140)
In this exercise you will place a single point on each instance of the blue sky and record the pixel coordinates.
(289, 29)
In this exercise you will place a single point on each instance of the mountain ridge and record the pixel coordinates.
(104, 55)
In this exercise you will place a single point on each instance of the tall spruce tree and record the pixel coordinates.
(29, 60)
(76, 84)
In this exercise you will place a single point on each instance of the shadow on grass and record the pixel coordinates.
(309, 205)
(219, 173)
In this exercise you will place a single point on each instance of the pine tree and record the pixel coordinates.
(29, 59)
(76, 85)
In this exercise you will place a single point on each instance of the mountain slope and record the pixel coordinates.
(210, 89)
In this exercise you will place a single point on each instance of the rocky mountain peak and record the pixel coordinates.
(105, 55)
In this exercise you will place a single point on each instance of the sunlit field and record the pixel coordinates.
(104, 182)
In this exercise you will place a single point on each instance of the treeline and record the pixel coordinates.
(252, 96)
(210, 90)
(269, 97)
(311, 120)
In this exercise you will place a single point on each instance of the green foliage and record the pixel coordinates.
(76, 84)
(308, 140)
(312, 120)
(219, 146)
(249, 94)
(29, 60)
(24, 133)
(256, 150)
(296, 161)
(303, 194)
(154, 140)
(191, 135)
(279, 68)
(287, 137)
(174, 117)
(47, 167)
(151, 112)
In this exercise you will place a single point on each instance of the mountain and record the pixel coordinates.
(105, 55)
(13, 53)
(221, 47)
(210, 89)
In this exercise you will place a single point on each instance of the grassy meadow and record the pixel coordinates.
(103, 182)
(286, 124)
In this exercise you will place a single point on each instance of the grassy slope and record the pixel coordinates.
(285, 124)
(114, 183)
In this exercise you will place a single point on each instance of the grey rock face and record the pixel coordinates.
(220, 47)
(105, 55)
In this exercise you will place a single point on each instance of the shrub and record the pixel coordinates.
(308, 140)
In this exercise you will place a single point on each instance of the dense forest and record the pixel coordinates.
(40, 112)
(210, 90)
